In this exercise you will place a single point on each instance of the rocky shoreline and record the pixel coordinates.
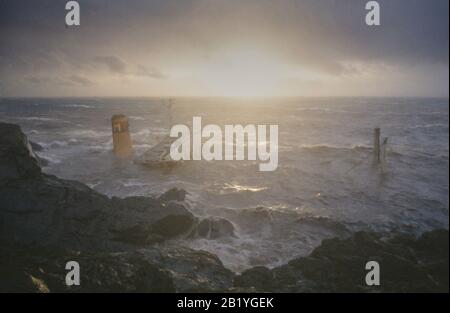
(128, 244)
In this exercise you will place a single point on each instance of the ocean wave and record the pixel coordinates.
(89, 133)
(326, 110)
(241, 188)
(107, 146)
(436, 125)
(327, 147)
(82, 106)
(142, 146)
(134, 183)
(33, 132)
(42, 119)
(136, 118)
(59, 143)
(150, 131)
(268, 237)
(324, 222)
(94, 184)
(51, 158)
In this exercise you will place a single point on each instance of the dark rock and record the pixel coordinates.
(146, 270)
(40, 208)
(149, 221)
(173, 194)
(43, 162)
(173, 269)
(17, 159)
(50, 210)
(46, 221)
(178, 220)
(259, 278)
(36, 147)
(407, 264)
(195, 271)
(213, 228)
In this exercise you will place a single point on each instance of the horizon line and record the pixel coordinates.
(221, 97)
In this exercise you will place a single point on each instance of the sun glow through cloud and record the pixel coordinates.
(244, 72)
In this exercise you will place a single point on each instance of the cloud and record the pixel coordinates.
(72, 80)
(113, 63)
(37, 80)
(83, 81)
(144, 40)
(118, 66)
(149, 72)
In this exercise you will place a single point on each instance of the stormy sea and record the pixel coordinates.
(326, 184)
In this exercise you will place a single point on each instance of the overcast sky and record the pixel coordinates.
(224, 48)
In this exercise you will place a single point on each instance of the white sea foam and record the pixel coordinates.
(82, 106)
(42, 119)
(243, 188)
(136, 118)
(51, 158)
(437, 125)
(88, 133)
(134, 183)
(58, 143)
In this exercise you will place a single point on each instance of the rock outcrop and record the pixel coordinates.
(43, 209)
(407, 264)
(151, 269)
(17, 160)
(46, 221)
(213, 228)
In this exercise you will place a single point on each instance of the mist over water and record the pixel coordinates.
(326, 184)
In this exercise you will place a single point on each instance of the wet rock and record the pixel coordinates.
(17, 159)
(43, 162)
(195, 271)
(259, 278)
(174, 269)
(178, 220)
(408, 264)
(46, 221)
(173, 194)
(149, 221)
(36, 147)
(213, 228)
(37, 208)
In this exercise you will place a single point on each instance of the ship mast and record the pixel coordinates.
(169, 109)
